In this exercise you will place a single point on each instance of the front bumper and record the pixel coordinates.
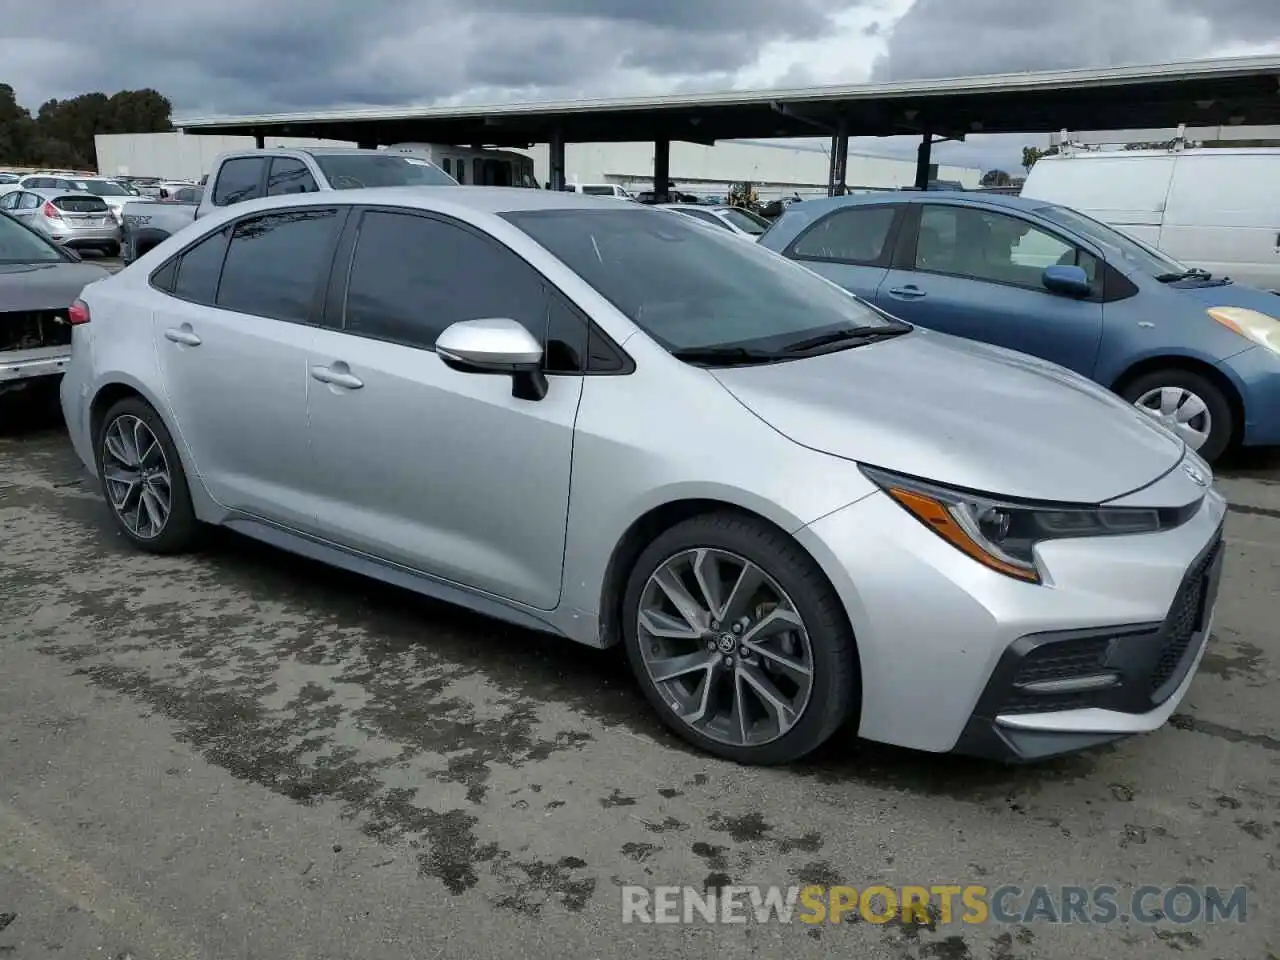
(18, 365)
(938, 633)
(1256, 373)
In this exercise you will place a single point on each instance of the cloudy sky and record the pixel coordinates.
(256, 56)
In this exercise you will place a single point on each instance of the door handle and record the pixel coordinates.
(909, 292)
(338, 378)
(183, 334)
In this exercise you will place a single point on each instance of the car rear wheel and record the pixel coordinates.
(142, 479)
(739, 641)
(1189, 404)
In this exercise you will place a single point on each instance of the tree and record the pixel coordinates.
(997, 178)
(1031, 154)
(62, 132)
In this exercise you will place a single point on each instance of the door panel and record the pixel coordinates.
(237, 385)
(977, 277)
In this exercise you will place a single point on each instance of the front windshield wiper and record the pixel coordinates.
(725, 356)
(1194, 272)
(861, 334)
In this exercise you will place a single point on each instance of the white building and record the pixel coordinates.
(776, 168)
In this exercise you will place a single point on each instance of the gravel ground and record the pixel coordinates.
(242, 754)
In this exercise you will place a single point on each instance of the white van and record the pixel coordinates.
(1213, 208)
(599, 190)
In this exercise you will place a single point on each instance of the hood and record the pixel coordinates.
(1232, 295)
(962, 413)
(44, 286)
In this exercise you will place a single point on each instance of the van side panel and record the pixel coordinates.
(1223, 215)
(1127, 190)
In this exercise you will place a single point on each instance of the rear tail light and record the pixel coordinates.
(50, 211)
(78, 314)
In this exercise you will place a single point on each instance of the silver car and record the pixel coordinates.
(616, 425)
(73, 218)
(743, 223)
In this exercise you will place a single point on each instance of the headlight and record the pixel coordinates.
(1003, 534)
(1250, 324)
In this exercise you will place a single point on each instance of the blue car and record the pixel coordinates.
(1196, 351)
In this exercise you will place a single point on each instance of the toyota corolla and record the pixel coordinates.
(798, 515)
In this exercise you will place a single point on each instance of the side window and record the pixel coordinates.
(166, 276)
(412, 276)
(199, 267)
(276, 262)
(289, 176)
(982, 245)
(460, 173)
(10, 199)
(566, 338)
(706, 217)
(29, 201)
(852, 235)
(448, 165)
(238, 180)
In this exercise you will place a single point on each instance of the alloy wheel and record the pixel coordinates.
(725, 647)
(136, 475)
(1182, 411)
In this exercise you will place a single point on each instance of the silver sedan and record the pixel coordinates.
(795, 513)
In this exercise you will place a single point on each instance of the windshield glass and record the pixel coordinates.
(103, 188)
(20, 245)
(1120, 246)
(689, 287)
(355, 170)
(744, 221)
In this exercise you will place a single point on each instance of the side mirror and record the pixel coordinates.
(1067, 280)
(496, 345)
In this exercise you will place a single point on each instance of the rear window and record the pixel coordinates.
(103, 188)
(597, 191)
(81, 204)
(355, 170)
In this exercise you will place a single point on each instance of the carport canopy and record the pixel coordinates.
(1233, 91)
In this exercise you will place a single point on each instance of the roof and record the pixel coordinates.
(1234, 90)
(1009, 201)
(495, 200)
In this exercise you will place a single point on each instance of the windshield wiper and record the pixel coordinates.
(1195, 272)
(724, 356)
(861, 334)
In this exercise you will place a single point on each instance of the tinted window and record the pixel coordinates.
(350, 171)
(9, 200)
(852, 235)
(20, 245)
(238, 180)
(289, 176)
(712, 288)
(745, 221)
(412, 276)
(597, 191)
(198, 269)
(275, 263)
(982, 245)
(566, 338)
(706, 216)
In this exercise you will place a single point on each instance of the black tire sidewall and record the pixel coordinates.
(180, 529)
(1223, 430)
(835, 693)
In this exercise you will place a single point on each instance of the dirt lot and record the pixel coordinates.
(242, 754)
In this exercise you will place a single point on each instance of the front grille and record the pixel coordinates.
(29, 329)
(1186, 616)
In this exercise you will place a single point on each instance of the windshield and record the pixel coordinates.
(355, 170)
(20, 245)
(1121, 246)
(689, 287)
(103, 188)
(745, 221)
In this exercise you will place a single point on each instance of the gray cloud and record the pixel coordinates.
(946, 38)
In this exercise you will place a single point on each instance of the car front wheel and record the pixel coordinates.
(739, 641)
(1190, 405)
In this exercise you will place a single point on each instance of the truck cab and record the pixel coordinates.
(249, 174)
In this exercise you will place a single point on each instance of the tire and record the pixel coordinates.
(1221, 418)
(833, 687)
(180, 529)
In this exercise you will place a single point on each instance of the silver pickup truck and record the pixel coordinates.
(249, 174)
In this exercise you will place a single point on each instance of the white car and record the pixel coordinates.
(744, 223)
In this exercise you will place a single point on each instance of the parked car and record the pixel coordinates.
(39, 281)
(767, 475)
(1216, 209)
(1197, 352)
(599, 190)
(249, 174)
(113, 193)
(742, 223)
(81, 221)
